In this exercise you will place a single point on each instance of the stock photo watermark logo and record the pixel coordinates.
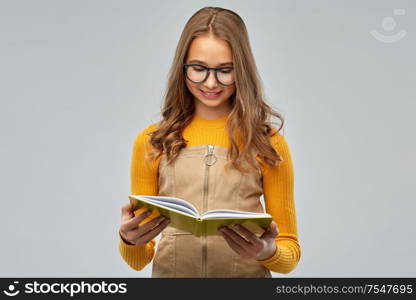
(70, 289)
(11, 290)
(389, 24)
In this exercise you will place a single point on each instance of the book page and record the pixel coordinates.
(228, 213)
(173, 206)
(176, 202)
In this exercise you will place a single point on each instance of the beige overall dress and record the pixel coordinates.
(198, 176)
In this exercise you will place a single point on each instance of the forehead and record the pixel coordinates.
(210, 50)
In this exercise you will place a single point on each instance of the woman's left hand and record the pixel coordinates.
(248, 245)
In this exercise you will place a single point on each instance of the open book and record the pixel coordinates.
(184, 216)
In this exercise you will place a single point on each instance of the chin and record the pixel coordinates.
(212, 103)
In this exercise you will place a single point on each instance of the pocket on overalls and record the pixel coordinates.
(164, 260)
(187, 250)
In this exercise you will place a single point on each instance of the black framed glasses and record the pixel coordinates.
(199, 73)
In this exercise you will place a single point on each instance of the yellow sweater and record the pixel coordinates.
(278, 190)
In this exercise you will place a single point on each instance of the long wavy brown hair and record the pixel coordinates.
(249, 126)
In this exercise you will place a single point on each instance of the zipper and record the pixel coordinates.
(209, 159)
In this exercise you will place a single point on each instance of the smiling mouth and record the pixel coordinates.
(211, 93)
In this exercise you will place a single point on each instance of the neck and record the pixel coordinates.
(212, 113)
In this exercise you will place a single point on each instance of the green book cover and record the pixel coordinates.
(184, 216)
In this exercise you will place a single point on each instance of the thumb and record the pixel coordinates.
(271, 231)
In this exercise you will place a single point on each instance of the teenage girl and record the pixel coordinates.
(216, 148)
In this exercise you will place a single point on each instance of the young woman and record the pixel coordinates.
(216, 148)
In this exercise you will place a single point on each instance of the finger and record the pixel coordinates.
(233, 245)
(138, 231)
(154, 232)
(135, 221)
(271, 231)
(143, 229)
(126, 211)
(237, 238)
(250, 236)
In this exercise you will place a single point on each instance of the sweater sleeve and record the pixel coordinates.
(143, 181)
(278, 187)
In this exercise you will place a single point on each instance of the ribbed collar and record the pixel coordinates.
(215, 123)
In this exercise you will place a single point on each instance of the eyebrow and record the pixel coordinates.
(201, 62)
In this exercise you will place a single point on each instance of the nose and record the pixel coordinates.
(211, 81)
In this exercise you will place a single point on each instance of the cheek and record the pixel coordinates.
(192, 87)
(229, 91)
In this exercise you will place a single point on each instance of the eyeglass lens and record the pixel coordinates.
(198, 74)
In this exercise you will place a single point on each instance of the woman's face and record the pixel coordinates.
(211, 52)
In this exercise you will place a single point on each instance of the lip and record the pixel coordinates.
(216, 95)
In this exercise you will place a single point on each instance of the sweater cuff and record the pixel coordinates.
(272, 260)
(137, 256)
(285, 259)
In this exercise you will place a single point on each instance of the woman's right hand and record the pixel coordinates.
(134, 234)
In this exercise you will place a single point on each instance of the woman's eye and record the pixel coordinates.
(198, 69)
(226, 71)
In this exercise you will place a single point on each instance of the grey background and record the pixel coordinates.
(79, 80)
